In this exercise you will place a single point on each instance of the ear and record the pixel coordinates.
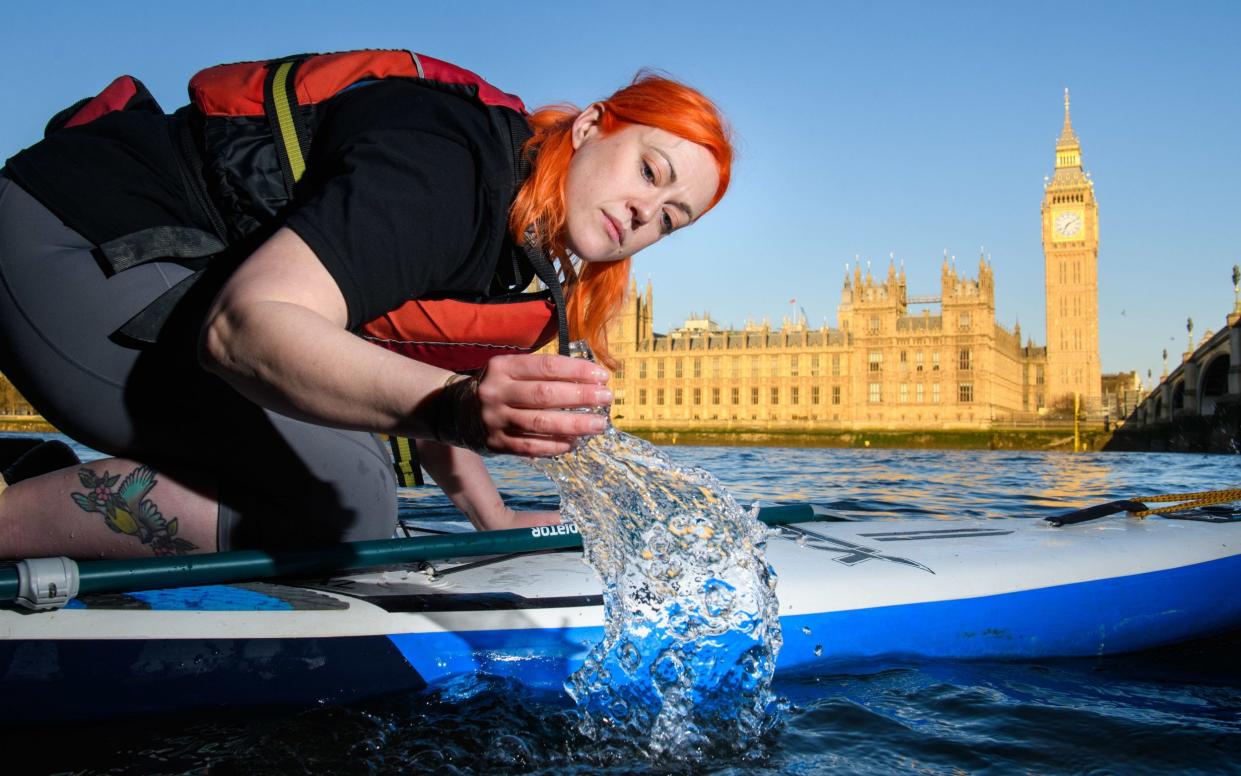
(586, 125)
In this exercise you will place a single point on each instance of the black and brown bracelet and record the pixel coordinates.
(457, 415)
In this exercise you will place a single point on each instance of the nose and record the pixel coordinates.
(643, 210)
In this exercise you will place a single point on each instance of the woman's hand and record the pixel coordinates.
(509, 518)
(522, 402)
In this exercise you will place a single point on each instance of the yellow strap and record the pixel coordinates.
(1204, 498)
(284, 117)
(405, 462)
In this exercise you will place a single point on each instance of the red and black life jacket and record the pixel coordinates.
(245, 137)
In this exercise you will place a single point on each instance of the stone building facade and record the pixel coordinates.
(893, 360)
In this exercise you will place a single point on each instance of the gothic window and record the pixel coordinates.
(678, 394)
(659, 369)
(641, 396)
(904, 395)
(965, 393)
(934, 360)
(735, 395)
(715, 366)
(918, 361)
(697, 396)
(874, 324)
(794, 395)
(935, 393)
(620, 370)
(659, 395)
(735, 367)
(642, 369)
(755, 370)
(677, 366)
(814, 365)
(715, 395)
(963, 322)
(753, 396)
(835, 394)
(918, 397)
(793, 365)
(836, 365)
(775, 395)
(964, 359)
(875, 361)
(874, 393)
(814, 394)
(697, 367)
(773, 366)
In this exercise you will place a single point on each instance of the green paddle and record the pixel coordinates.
(50, 580)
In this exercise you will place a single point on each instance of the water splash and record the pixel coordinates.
(692, 629)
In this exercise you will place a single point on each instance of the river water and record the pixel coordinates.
(1177, 710)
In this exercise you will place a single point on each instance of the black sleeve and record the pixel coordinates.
(392, 213)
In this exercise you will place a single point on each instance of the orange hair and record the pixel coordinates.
(596, 292)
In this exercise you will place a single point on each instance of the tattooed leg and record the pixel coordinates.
(113, 508)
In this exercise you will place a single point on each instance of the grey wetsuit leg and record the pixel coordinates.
(282, 482)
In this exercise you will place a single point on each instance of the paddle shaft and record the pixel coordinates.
(118, 576)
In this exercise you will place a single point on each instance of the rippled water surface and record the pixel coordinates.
(1173, 711)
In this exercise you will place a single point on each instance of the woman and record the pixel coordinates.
(250, 420)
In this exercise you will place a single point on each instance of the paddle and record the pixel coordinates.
(51, 579)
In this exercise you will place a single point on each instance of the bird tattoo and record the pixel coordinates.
(127, 510)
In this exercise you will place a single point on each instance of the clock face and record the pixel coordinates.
(1068, 223)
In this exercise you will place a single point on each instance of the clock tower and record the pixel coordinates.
(1071, 264)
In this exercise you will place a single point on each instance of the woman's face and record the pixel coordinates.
(630, 188)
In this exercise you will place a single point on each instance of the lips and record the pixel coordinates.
(613, 227)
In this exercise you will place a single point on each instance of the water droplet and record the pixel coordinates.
(805, 629)
(818, 650)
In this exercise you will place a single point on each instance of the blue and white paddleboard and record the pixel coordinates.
(849, 591)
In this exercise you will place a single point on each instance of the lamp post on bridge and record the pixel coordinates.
(1189, 327)
(1236, 289)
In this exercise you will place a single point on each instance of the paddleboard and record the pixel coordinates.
(997, 589)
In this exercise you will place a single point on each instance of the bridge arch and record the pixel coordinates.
(1178, 395)
(1213, 383)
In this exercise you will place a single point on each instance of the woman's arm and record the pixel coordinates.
(276, 334)
(464, 478)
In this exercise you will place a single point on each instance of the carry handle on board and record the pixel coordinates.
(49, 583)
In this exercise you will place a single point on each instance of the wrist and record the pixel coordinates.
(457, 415)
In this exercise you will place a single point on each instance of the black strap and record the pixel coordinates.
(543, 268)
(190, 162)
(145, 327)
(1097, 511)
(159, 243)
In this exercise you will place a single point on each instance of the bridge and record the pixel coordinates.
(1196, 406)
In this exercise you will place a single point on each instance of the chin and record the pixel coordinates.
(588, 251)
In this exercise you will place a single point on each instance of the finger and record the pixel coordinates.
(555, 368)
(553, 423)
(551, 395)
(535, 447)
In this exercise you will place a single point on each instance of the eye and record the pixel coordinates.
(665, 221)
(647, 172)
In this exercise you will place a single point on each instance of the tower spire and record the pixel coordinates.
(1068, 149)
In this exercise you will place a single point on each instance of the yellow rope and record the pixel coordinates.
(1203, 498)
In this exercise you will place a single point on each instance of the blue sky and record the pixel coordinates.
(863, 129)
